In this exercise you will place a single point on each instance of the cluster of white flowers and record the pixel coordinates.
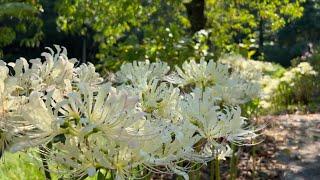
(249, 69)
(229, 88)
(254, 71)
(150, 118)
(290, 78)
(303, 69)
(263, 73)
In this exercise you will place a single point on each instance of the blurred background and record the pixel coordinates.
(110, 32)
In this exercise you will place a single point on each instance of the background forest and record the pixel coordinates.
(110, 32)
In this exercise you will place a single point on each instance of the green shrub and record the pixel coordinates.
(282, 89)
(295, 87)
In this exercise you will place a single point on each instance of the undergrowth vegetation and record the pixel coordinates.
(282, 89)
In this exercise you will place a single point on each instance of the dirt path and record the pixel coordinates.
(297, 151)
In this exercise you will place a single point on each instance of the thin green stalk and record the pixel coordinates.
(198, 172)
(233, 163)
(212, 170)
(45, 163)
(147, 176)
(192, 173)
(217, 168)
(113, 175)
(253, 162)
(254, 154)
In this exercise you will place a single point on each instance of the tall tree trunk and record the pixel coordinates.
(84, 43)
(84, 49)
(195, 11)
(261, 36)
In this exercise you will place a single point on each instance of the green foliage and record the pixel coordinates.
(16, 9)
(20, 166)
(248, 22)
(314, 59)
(127, 30)
(8, 36)
(164, 30)
(282, 89)
(304, 30)
(252, 108)
(295, 89)
(19, 22)
(282, 97)
(293, 39)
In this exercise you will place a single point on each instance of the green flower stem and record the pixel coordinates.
(253, 162)
(198, 172)
(212, 169)
(45, 163)
(233, 163)
(217, 168)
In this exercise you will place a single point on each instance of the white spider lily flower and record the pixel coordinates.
(271, 85)
(22, 76)
(85, 157)
(3, 76)
(86, 73)
(202, 74)
(110, 111)
(6, 133)
(33, 123)
(161, 100)
(37, 113)
(150, 120)
(140, 73)
(211, 122)
(217, 150)
(200, 109)
(10, 112)
(73, 154)
(56, 69)
(235, 90)
(180, 171)
(303, 69)
(234, 126)
(248, 69)
(178, 146)
(231, 88)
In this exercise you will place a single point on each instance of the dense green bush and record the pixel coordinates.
(282, 89)
(313, 58)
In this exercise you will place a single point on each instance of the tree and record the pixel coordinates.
(195, 11)
(19, 22)
(232, 22)
(304, 30)
(129, 29)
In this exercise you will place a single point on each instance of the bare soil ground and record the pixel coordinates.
(290, 150)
